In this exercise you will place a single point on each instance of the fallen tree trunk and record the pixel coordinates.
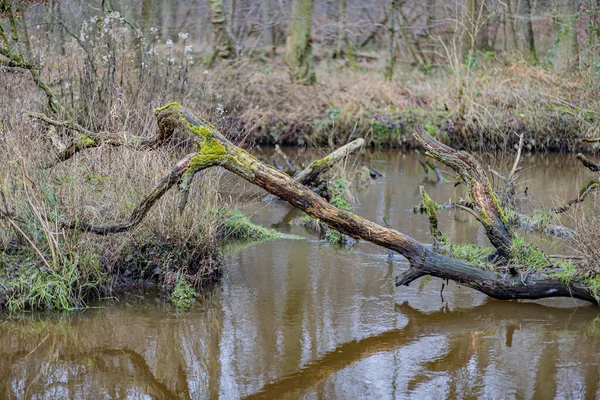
(481, 194)
(216, 150)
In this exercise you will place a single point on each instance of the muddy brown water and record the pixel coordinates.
(300, 319)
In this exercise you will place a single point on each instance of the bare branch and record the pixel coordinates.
(88, 139)
(591, 186)
(515, 166)
(315, 168)
(291, 170)
(594, 167)
(142, 209)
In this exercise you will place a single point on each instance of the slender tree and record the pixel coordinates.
(526, 31)
(565, 35)
(267, 9)
(389, 70)
(341, 35)
(469, 30)
(222, 41)
(298, 53)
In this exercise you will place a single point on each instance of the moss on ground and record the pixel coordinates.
(471, 253)
(235, 225)
(183, 293)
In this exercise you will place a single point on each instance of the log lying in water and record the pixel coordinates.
(216, 150)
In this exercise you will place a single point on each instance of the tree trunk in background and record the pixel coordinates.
(469, 30)
(222, 44)
(267, 8)
(25, 34)
(232, 18)
(298, 52)
(61, 29)
(594, 28)
(146, 16)
(512, 25)
(431, 20)
(481, 26)
(565, 35)
(145, 21)
(341, 35)
(389, 69)
(526, 31)
(166, 11)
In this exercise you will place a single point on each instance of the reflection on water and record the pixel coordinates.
(301, 319)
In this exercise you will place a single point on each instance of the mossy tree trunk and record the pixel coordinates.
(564, 28)
(526, 31)
(391, 64)
(341, 34)
(145, 23)
(222, 42)
(486, 206)
(468, 35)
(267, 13)
(298, 52)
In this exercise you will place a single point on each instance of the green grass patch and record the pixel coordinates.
(183, 294)
(528, 255)
(65, 285)
(235, 225)
(471, 253)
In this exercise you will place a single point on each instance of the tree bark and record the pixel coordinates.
(389, 70)
(564, 28)
(267, 9)
(480, 190)
(526, 30)
(341, 34)
(222, 42)
(216, 150)
(298, 52)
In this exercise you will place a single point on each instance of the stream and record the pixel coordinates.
(302, 319)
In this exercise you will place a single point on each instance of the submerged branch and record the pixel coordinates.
(594, 167)
(590, 187)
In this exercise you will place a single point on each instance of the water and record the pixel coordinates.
(299, 319)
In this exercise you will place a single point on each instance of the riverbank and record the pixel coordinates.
(482, 108)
